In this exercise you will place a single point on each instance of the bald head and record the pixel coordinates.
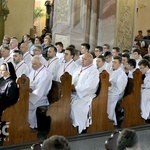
(87, 59)
(36, 62)
(24, 47)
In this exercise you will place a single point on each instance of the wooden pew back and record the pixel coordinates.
(17, 115)
(131, 103)
(60, 110)
(100, 121)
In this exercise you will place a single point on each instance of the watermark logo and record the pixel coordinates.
(4, 134)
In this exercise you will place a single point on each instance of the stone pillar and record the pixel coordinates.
(93, 24)
(125, 23)
(4, 11)
(71, 23)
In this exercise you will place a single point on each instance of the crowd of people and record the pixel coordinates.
(43, 62)
(143, 40)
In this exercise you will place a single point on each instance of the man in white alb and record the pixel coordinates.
(84, 85)
(13, 46)
(69, 64)
(38, 51)
(26, 55)
(118, 81)
(53, 62)
(100, 63)
(144, 66)
(20, 66)
(60, 51)
(40, 83)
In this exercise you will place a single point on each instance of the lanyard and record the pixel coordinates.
(84, 69)
(51, 62)
(19, 66)
(67, 66)
(35, 75)
(25, 55)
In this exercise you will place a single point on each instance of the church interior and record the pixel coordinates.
(73, 22)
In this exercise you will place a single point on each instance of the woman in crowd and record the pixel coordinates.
(9, 92)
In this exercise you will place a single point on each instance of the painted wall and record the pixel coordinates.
(20, 18)
(142, 16)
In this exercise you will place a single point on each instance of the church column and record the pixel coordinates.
(93, 24)
(3, 16)
(126, 10)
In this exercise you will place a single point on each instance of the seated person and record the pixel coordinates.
(131, 67)
(98, 51)
(83, 93)
(69, 64)
(145, 89)
(137, 56)
(56, 142)
(139, 36)
(118, 80)
(108, 61)
(125, 58)
(115, 51)
(100, 63)
(128, 140)
(147, 39)
(40, 83)
(9, 92)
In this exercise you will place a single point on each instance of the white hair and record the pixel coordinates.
(37, 58)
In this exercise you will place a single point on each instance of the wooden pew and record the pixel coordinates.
(19, 130)
(131, 103)
(55, 93)
(100, 121)
(60, 110)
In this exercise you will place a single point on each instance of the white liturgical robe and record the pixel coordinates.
(21, 68)
(118, 80)
(40, 83)
(102, 68)
(145, 97)
(60, 56)
(27, 58)
(86, 81)
(6, 60)
(108, 67)
(53, 65)
(66, 67)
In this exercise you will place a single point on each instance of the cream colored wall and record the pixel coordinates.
(20, 19)
(143, 16)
